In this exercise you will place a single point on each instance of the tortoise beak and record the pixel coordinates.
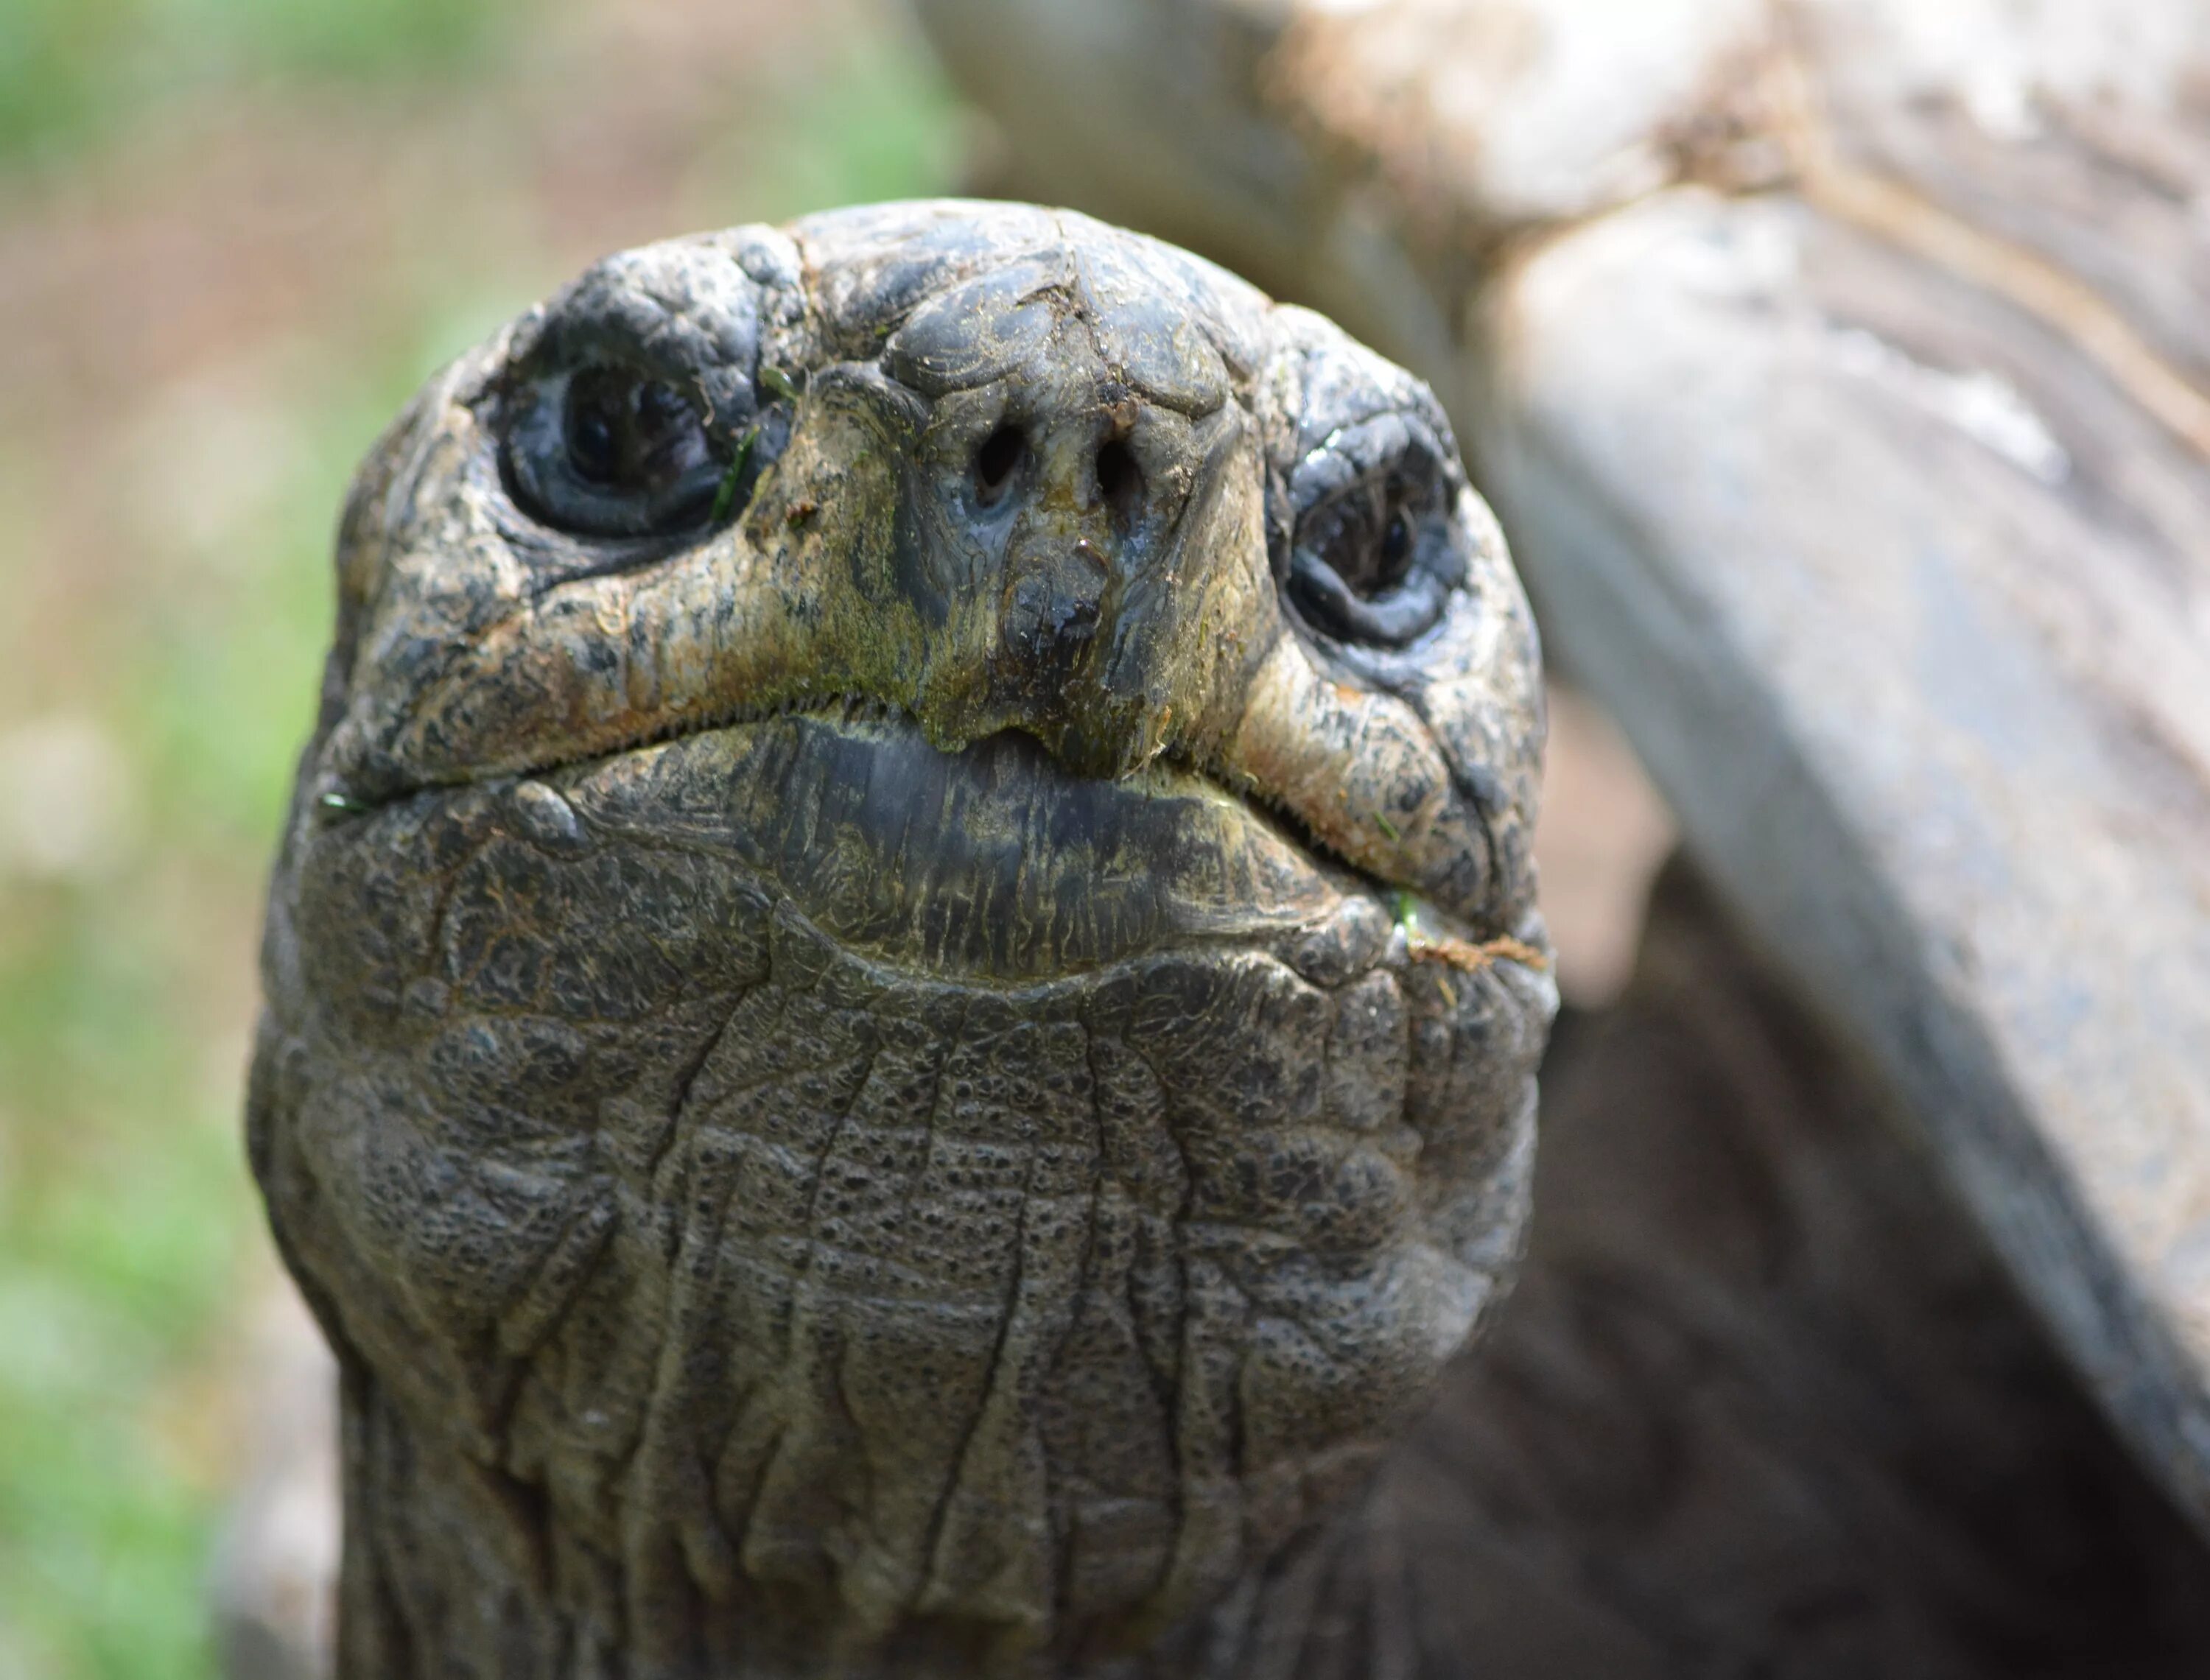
(1101, 605)
(1072, 516)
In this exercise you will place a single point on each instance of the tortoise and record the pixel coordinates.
(1840, 381)
(903, 985)
(903, 991)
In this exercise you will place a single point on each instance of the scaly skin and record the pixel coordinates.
(899, 1063)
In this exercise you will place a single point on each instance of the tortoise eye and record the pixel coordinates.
(594, 439)
(607, 450)
(1396, 542)
(630, 434)
(1354, 569)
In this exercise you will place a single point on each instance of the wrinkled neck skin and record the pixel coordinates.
(439, 1580)
(910, 1066)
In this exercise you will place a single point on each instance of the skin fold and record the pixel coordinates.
(902, 986)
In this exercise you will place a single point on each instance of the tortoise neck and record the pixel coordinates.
(453, 1569)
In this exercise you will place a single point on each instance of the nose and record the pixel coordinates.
(1085, 468)
(1074, 408)
(1086, 497)
(1085, 485)
(1075, 446)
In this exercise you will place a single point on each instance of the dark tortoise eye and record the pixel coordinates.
(594, 435)
(1395, 542)
(609, 451)
(1356, 568)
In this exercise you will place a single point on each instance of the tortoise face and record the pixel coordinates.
(903, 988)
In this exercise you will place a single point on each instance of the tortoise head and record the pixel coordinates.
(903, 988)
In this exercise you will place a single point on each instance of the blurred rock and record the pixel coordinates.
(1604, 833)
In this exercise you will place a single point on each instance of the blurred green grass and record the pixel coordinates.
(174, 621)
(72, 70)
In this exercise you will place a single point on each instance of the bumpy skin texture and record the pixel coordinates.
(914, 1069)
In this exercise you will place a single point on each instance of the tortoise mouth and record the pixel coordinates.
(991, 860)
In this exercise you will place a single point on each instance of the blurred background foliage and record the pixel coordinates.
(72, 70)
(234, 235)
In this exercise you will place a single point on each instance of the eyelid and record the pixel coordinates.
(1391, 620)
(1360, 450)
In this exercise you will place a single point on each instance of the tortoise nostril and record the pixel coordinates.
(1120, 481)
(995, 462)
